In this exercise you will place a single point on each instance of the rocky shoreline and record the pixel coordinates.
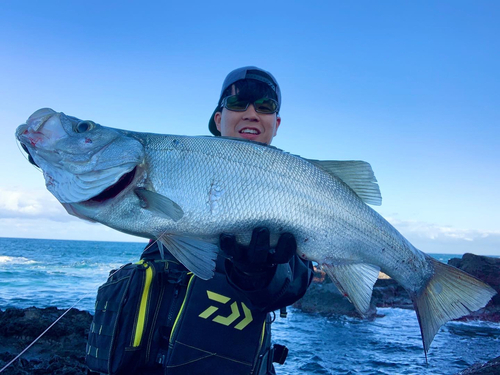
(324, 298)
(62, 349)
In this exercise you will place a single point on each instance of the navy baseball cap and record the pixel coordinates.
(247, 72)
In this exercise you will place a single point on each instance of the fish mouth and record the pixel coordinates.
(115, 189)
(30, 158)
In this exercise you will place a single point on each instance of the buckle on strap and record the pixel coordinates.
(283, 312)
(280, 352)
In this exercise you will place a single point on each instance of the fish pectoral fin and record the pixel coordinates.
(357, 174)
(160, 204)
(196, 255)
(355, 281)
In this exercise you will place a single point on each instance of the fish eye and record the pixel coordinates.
(84, 126)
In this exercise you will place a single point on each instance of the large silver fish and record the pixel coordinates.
(185, 191)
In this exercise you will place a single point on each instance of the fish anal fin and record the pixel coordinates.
(450, 294)
(355, 281)
(196, 255)
(159, 203)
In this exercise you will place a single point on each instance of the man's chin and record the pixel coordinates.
(250, 136)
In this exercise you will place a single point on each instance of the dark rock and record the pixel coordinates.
(323, 297)
(388, 293)
(489, 368)
(61, 350)
(486, 269)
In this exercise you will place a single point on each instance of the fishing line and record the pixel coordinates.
(59, 318)
(43, 333)
(26, 154)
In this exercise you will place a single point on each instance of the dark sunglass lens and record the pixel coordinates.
(236, 104)
(265, 105)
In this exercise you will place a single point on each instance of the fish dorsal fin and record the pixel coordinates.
(160, 204)
(196, 255)
(355, 281)
(357, 174)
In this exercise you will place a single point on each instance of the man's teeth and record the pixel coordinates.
(249, 131)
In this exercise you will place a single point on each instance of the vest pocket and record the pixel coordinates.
(215, 331)
(120, 320)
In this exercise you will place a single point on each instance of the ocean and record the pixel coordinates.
(58, 273)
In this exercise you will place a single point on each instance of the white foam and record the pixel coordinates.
(15, 260)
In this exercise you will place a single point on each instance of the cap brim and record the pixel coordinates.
(211, 124)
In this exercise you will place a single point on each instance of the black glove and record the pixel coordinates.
(258, 256)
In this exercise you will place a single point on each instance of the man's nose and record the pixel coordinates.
(251, 113)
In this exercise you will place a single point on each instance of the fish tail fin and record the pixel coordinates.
(449, 294)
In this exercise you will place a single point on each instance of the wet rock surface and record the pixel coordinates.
(60, 351)
(489, 368)
(486, 269)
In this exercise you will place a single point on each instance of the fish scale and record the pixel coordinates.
(185, 191)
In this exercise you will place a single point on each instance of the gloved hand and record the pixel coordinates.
(258, 256)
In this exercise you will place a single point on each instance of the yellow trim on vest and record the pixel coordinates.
(182, 306)
(141, 318)
(262, 335)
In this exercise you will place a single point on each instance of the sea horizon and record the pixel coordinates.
(145, 241)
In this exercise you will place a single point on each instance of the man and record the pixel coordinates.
(248, 108)
(222, 325)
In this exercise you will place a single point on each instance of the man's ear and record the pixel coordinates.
(278, 122)
(217, 119)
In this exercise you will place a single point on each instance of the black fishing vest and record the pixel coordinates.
(155, 317)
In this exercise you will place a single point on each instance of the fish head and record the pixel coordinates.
(80, 160)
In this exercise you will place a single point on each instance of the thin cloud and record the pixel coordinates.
(72, 230)
(31, 204)
(446, 239)
(433, 231)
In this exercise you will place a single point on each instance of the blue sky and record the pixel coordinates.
(411, 87)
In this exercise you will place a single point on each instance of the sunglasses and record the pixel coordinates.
(264, 105)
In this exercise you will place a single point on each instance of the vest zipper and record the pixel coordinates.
(191, 278)
(155, 318)
(173, 306)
